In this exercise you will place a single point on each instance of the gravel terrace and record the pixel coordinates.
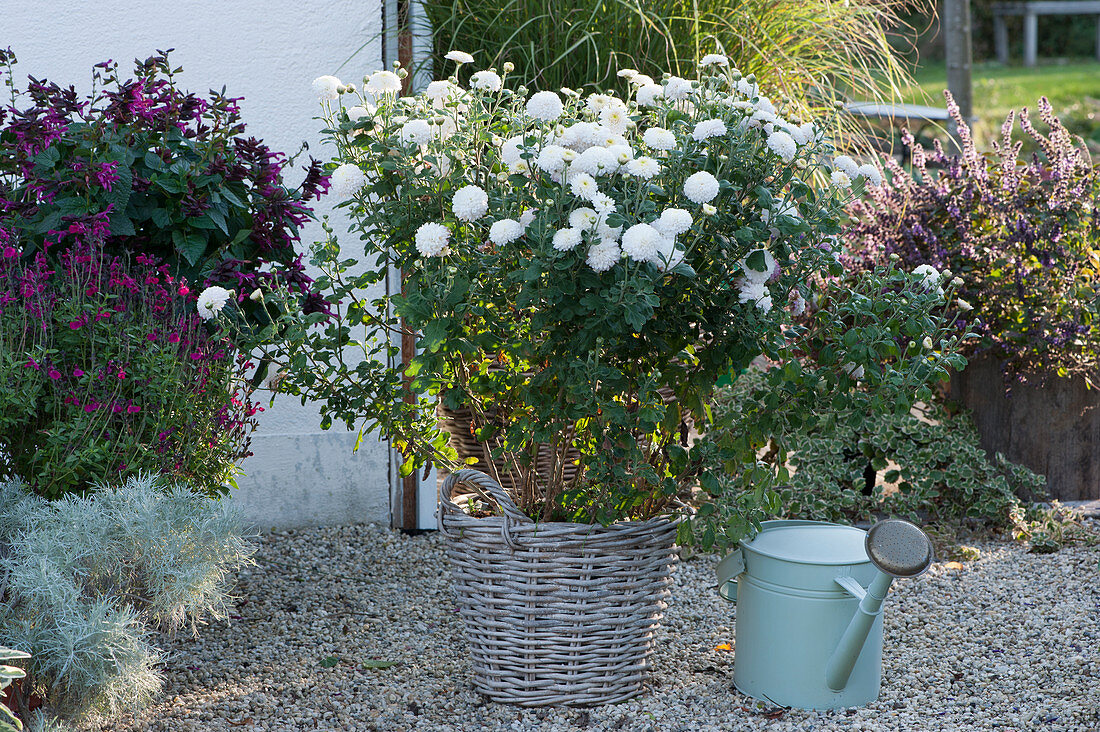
(1010, 641)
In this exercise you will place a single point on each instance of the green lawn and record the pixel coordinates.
(1073, 88)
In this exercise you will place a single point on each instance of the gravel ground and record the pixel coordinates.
(1009, 641)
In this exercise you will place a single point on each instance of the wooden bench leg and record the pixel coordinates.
(1000, 38)
(1098, 37)
(1031, 39)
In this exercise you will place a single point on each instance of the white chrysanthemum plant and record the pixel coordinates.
(579, 271)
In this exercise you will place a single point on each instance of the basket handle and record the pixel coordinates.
(509, 510)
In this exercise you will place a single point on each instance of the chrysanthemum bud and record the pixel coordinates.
(502, 176)
(509, 67)
(257, 295)
(497, 140)
(709, 210)
(927, 342)
(894, 256)
(350, 88)
(402, 73)
(751, 78)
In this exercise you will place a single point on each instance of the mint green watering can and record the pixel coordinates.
(809, 608)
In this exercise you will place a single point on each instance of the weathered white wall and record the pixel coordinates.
(267, 51)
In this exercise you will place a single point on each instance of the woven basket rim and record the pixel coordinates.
(624, 524)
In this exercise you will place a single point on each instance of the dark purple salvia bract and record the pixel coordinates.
(151, 169)
(1022, 235)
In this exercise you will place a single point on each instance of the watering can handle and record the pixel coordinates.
(727, 570)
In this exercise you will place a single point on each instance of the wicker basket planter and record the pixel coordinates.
(555, 613)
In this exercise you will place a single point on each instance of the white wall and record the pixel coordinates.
(267, 51)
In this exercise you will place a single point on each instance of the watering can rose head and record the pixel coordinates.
(579, 271)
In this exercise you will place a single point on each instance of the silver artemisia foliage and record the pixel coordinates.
(85, 580)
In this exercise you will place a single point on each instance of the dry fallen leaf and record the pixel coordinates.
(953, 565)
(242, 723)
(723, 647)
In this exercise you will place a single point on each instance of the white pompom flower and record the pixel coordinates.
(528, 217)
(486, 80)
(644, 167)
(459, 57)
(327, 88)
(673, 222)
(505, 231)
(759, 275)
(707, 129)
(714, 59)
(677, 88)
(615, 119)
(383, 82)
(567, 239)
(584, 186)
(595, 161)
(604, 255)
(668, 255)
(432, 239)
(640, 242)
(783, 145)
(551, 159)
(603, 203)
(659, 138)
(545, 106)
(511, 151)
(648, 94)
(212, 300)
(846, 165)
(469, 203)
(756, 292)
(442, 93)
(584, 218)
(358, 112)
(346, 181)
(929, 274)
(416, 131)
(871, 174)
(840, 179)
(701, 187)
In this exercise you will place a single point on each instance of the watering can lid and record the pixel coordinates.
(812, 544)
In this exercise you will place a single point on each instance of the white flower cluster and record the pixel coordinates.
(603, 180)
(845, 171)
(753, 284)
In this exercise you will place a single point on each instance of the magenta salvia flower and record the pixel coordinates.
(133, 385)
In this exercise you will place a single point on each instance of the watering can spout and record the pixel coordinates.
(898, 549)
(843, 660)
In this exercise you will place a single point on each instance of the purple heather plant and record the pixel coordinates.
(1021, 234)
(140, 166)
(106, 371)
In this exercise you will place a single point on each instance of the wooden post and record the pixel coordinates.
(1000, 38)
(956, 38)
(1031, 38)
